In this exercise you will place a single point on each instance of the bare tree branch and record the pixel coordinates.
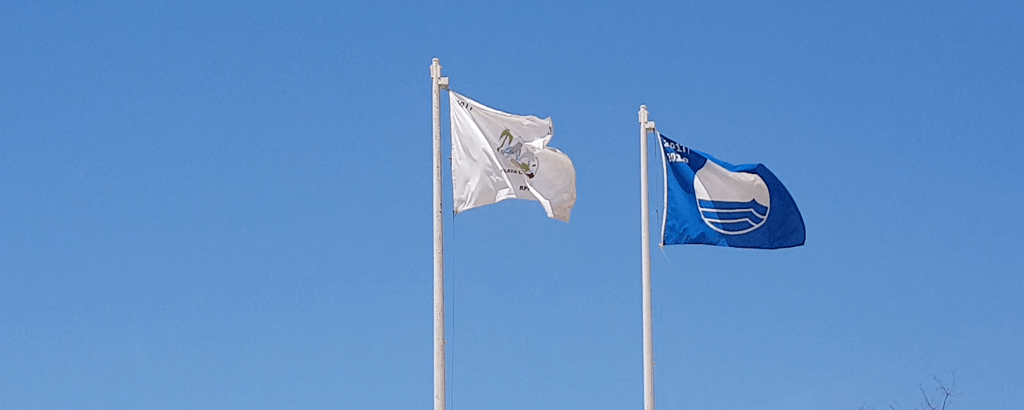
(947, 391)
(925, 395)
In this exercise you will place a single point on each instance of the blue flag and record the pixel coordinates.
(708, 201)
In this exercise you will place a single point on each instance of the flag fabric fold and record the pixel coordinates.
(712, 202)
(497, 156)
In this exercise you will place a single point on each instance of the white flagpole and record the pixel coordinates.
(645, 230)
(439, 371)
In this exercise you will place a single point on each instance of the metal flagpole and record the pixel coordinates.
(645, 230)
(439, 371)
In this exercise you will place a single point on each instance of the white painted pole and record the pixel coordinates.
(439, 370)
(645, 231)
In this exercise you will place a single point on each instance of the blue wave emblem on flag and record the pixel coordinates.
(733, 217)
(731, 203)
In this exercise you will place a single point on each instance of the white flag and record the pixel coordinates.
(497, 156)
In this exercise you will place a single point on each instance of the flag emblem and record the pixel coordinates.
(524, 160)
(731, 203)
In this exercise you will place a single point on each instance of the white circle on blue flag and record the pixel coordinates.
(731, 203)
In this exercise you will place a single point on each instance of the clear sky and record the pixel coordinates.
(227, 205)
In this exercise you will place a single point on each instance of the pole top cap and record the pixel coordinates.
(435, 68)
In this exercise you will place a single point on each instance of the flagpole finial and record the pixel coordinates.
(435, 68)
(647, 125)
(435, 73)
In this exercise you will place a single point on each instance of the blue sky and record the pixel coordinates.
(227, 205)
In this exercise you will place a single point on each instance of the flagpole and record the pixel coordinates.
(439, 370)
(645, 231)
